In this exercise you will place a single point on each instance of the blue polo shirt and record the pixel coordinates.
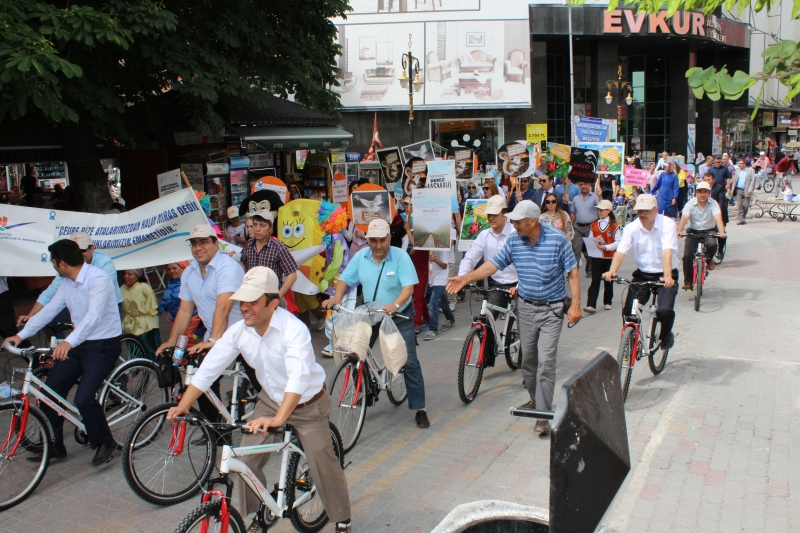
(541, 266)
(398, 272)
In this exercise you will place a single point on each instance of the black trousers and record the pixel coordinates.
(692, 240)
(600, 265)
(91, 362)
(665, 312)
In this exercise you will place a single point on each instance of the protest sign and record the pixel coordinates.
(611, 158)
(589, 129)
(431, 219)
(153, 234)
(464, 161)
(535, 133)
(514, 159)
(369, 202)
(194, 173)
(473, 224)
(422, 149)
(169, 182)
(583, 165)
(391, 167)
(558, 160)
(442, 175)
(339, 188)
(635, 177)
(415, 173)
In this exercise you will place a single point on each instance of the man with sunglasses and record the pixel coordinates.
(548, 186)
(524, 192)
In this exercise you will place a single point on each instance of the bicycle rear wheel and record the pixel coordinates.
(512, 345)
(152, 466)
(19, 477)
(470, 372)
(397, 392)
(132, 348)
(349, 409)
(206, 518)
(657, 357)
(699, 279)
(769, 184)
(135, 389)
(625, 359)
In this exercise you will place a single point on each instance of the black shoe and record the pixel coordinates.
(58, 452)
(422, 419)
(668, 342)
(104, 454)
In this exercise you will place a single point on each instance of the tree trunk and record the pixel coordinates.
(86, 176)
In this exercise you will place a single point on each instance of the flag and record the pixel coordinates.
(476, 165)
(376, 138)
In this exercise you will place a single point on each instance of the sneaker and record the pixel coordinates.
(320, 324)
(668, 341)
(528, 405)
(607, 307)
(431, 335)
(342, 527)
(542, 427)
(460, 299)
(422, 419)
(327, 353)
(590, 310)
(447, 325)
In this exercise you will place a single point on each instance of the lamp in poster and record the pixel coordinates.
(432, 214)
(442, 175)
(612, 156)
(369, 202)
(415, 174)
(391, 166)
(582, 165)
(464, 163)
(558, 160)
(473, 223)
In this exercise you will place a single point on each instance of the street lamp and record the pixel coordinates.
(410, 71)
(620, 87)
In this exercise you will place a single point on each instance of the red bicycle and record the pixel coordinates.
(699, 266)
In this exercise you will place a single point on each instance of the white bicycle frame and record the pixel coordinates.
(646, 316)
(229, 416)
(486, 309)
(231, 463)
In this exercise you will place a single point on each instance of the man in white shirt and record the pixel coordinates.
(662, 163)
(703, 215)
(278, 346)
(485, 247)
(654, 241)
(93, 346)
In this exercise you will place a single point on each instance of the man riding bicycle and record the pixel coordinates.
(88, 354)
(654, 241)
(702, 214)
(486, 246)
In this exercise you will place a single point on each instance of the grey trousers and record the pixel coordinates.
(742, 204)
(577, 241)
(311, 423)
(539, 331)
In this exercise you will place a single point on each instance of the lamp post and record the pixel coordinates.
(410, 72)
(620, 87)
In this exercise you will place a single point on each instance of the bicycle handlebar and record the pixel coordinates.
(24, 352)
(337, 308)
(240, 425)
(700, 233)
(489, 289)
(623, 281)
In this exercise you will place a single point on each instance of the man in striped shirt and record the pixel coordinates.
(541, 255)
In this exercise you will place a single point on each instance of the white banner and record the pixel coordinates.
(153, 234)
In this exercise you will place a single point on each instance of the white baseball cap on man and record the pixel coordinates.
(645, 202)
(83, 240)
(495, 205)
(258, 280)
(233, 212)
(264, 213)
(524, 209)
(201, 231)
(703, 186)
(377, 229)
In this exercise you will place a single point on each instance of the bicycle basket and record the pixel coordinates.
(167, 373)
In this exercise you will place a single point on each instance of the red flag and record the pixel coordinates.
(376, 138)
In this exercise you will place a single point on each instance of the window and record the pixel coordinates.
(556, 105)
(647, 122)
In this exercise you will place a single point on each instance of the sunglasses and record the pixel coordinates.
(471, 188)
(550, 202)
(485, 188)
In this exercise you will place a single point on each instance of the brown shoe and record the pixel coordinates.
(542, 427)
(687, 288)
(528, 405)
(710, 265)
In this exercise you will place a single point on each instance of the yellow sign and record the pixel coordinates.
(535, 132)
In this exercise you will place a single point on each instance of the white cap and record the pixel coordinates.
(524, 209)
(495, 205)
(645, 202)
(233, 211)
(264, 213)
(763, 153)
(377, 229)
(202, 231)
(258, 280)
(703, 185)
(604, 204)
(83, 240)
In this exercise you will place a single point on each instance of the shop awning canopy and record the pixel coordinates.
(279, 139)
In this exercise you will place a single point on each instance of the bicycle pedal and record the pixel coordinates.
(348, 463)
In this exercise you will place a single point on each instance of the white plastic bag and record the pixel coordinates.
(393, 346)
(351, 333)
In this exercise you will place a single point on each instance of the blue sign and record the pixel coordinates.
(353, 157)
(588, 129)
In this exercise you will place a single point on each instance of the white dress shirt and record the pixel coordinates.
(223, 274)
(92, 305)
(283, 358)
(648, 245)
(485, 247)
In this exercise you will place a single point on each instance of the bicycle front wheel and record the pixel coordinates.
(512, 345)
(625, 359)
(164, 464)
(470, 371)
(657, 357)
(699, 279)
(397, 392)
(769, 184)
(132, 348)
(19, 476)
(348, 401)
(208, 519)
(131, 390)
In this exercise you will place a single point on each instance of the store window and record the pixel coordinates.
(646, 122)
(737, 132)
(556, 100)
(483, 135)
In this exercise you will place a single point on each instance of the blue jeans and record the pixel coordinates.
(439, 300)
(415, 384)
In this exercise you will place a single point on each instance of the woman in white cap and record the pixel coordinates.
(607, 233)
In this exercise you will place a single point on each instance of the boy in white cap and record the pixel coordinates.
(278, 346)
(235, 230)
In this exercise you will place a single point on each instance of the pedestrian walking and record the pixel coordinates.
(440, 270)
(667, 189)
(607, 233)
(744, 182)
(583, 212)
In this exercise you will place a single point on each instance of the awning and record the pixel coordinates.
(274, 139)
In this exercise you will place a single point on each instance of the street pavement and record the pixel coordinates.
(710, 437)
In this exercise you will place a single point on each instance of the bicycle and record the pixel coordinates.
(490, 341)
(699, 266)
(294, 496)
(353, 389)
(772, 180)
(169, 467)
(640, 335)
(25, 428)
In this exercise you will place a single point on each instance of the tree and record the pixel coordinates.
(104, 68)
(781, 61)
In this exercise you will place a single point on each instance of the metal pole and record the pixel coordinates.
(571, 81)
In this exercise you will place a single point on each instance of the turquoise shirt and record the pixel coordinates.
(99, 260)
(398, 272)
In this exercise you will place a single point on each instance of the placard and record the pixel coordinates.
(464, 161)
(422, 149)
(369, 202)
(169, 182)
(611, 158)
(391, 166)
(339, 188)
(194, 173)
(442, 175)
(635, 177)
(557, 164)
(513, 159)
(432, 214)
(588, 129)
(583, 165)
(535, 133)
(415, 173)
(473, 223)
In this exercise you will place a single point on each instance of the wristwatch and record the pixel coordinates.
(397, 306)
(212, 340)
